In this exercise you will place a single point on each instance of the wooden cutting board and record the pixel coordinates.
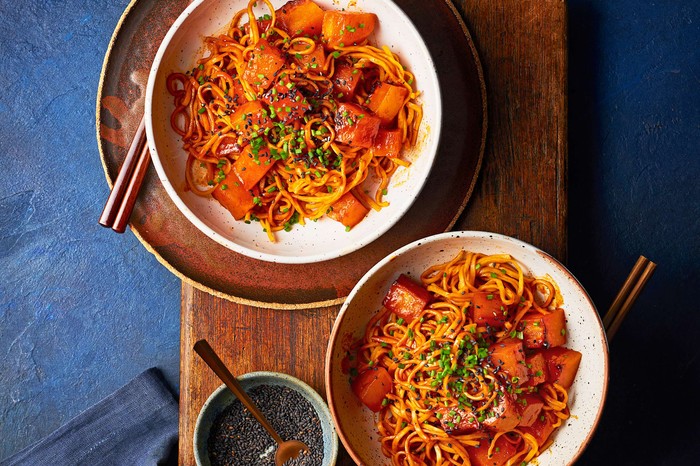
(521, 192)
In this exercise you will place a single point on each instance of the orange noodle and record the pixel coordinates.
(468, 366)
(286, 116)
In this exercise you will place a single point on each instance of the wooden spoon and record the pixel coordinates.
(285, 450)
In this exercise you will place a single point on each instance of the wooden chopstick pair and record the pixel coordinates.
(126, 187)
(638, 277)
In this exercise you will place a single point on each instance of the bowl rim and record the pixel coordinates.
(467, 234)
(299, 385)
(333, 252)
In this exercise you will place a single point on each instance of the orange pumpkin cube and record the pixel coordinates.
(502, 451)
(508, 359)
(406, 298)
(541, 429)
(386, 100)
(530, 406)
(345, 80)
(233, 196)
(348, 210)
(488, 309)
(355, 126)
(251, 166)
(387, 143)
(249, 119)
(343, 28)
(536, 369)
(544, 330)
(562, 365)
(262, 66)
(372, 386)
(285, 102)
(504, 415)
(300, 18)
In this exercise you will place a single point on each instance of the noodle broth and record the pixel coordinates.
(357, 424)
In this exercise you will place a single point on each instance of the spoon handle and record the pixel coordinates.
(207, 353)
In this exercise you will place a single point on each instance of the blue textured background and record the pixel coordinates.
(83, 310)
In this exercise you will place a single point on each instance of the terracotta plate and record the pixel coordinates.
(205, 264)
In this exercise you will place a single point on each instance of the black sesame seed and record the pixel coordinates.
(236, 438)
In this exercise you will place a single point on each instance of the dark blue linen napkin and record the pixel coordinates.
(136, 425)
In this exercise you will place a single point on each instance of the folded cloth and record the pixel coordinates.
(136, 425)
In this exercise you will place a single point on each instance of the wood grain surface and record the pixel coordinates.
(521, 192)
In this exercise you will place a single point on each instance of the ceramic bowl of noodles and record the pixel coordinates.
(467, 348)
(299, 137)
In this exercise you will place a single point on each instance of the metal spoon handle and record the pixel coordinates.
(214, 362)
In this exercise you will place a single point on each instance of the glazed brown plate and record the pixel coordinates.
(205, 264)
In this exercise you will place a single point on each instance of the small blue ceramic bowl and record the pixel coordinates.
(222, 397)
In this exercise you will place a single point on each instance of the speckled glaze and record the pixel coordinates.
(355, 423)
(316, 241)
(222, 397)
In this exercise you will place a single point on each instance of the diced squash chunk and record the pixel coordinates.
(251, 166)
(300, 18)
(372, 386)
(387, 143)
(249, 119)
(233, 196)
(386, 100)
(355, 126)
(502, 451)
(488, 309)
(345, 80)
(311, 62)
(562, 365)
(504, 416)
(508, 359)
(530, 406)
(348, 210)
(262, 65)
(346, 28)
(544, 330)
(457, 421)
(285, 102)
(537, 370)
(406, 298)
(541, 429)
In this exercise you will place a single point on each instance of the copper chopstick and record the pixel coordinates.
(132, 191)
(121, 199)
(638, 277)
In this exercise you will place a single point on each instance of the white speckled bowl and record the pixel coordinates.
(222, 397)
(355, 423)
(326, 238)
